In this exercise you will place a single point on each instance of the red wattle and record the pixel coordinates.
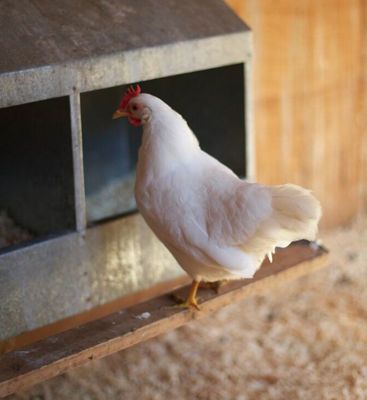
(134, 121)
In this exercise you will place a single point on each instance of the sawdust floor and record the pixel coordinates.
(306, 340)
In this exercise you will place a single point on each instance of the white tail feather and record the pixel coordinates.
(295, 216)
(296, 210)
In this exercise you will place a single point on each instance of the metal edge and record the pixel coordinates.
(78, 167)
(121, 68)
(250, 148)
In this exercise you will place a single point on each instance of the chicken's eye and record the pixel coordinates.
(134, 107)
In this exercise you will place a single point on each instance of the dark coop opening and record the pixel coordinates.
(36, 171)
(212, 102)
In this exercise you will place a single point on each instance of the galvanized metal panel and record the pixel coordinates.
(122, 68)
(62, 276)
(44, 32)
(58, 48)
(73, 47)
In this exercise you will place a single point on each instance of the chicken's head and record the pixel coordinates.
(133, 107)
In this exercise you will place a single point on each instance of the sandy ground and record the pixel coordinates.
(306, 340)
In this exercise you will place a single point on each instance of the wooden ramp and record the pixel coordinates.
(56, 354)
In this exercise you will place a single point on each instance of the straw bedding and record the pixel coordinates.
(306, 340)
(10, 232)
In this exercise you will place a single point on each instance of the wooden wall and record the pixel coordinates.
(310, 98)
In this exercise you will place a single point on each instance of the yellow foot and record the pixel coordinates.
(189, 304)
(181, 303)
(191, 301)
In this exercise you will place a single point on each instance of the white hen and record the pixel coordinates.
(216, 225)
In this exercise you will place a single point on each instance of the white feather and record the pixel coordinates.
(216, 225)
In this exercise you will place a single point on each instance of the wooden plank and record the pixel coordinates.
(56, 354)
(310, 98)
(34, 335)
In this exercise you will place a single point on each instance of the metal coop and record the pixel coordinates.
(73, 247)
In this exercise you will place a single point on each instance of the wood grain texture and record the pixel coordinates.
(140, 296)
(56, 354)
(310, 98)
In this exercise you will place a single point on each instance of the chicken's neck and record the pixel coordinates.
(167, 142)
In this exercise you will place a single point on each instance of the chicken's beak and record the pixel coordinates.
(119, 114)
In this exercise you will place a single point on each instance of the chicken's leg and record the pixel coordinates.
(191, 301)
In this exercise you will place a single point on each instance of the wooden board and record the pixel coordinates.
(310, 98)
(56, 354)
(29, 337)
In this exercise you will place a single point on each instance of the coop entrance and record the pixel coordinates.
(36, 171)
(212, 102)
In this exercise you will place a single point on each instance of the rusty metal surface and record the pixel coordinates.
(50, 280)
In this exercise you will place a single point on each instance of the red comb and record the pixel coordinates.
(129, 94)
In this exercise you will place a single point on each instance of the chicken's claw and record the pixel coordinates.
(191, 301)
